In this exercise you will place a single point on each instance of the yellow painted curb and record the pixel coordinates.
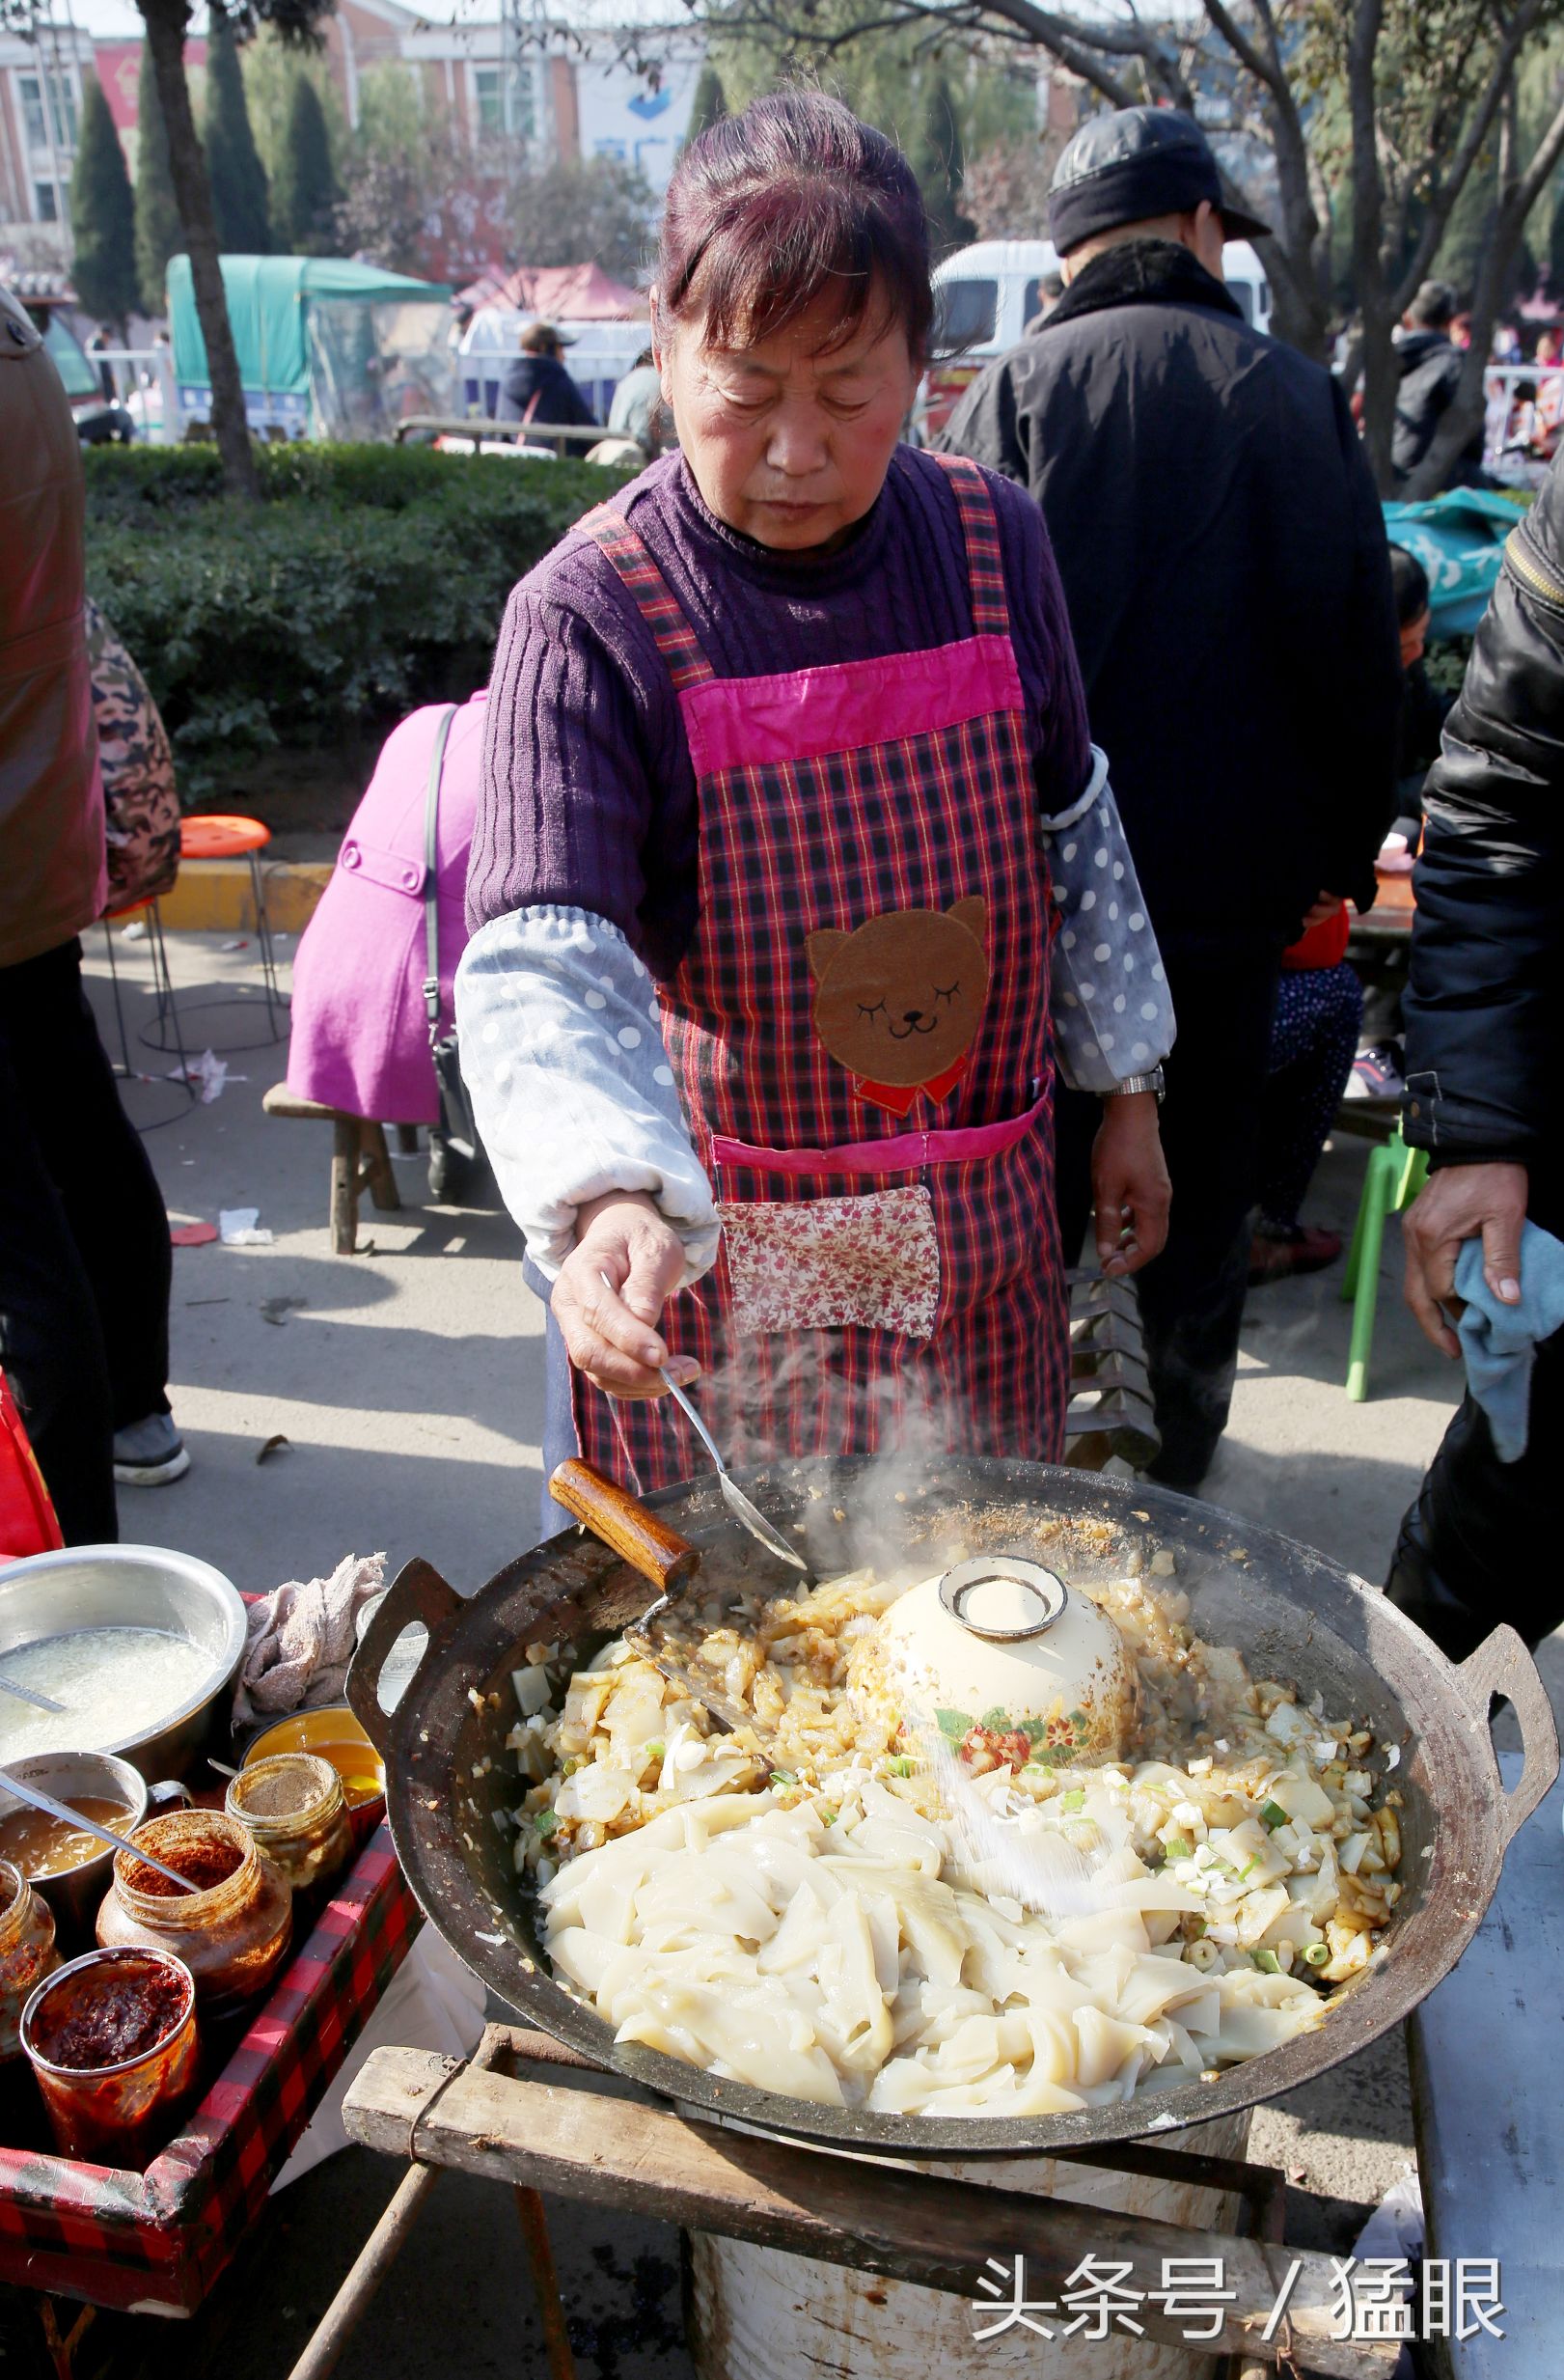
(215, 896)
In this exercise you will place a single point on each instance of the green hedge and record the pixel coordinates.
(371, 578)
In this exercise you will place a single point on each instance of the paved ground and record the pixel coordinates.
(407, 1381)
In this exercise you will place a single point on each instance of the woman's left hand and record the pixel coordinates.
(1130, 1184)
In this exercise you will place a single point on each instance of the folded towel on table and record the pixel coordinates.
(301, 1640)
(1500, 1343)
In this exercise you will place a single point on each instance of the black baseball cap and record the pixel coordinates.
(1132, 165)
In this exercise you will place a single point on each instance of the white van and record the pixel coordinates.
(985, 296)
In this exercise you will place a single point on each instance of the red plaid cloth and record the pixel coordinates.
(933, 802)
(129, 2240)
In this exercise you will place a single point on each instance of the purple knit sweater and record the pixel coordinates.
(588, 796)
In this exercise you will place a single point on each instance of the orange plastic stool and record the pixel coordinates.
(222, 835)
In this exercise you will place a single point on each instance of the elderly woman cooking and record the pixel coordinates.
(788, 803)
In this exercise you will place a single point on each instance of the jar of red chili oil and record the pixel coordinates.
(27, 1951)
(231, 1932)
(112, 2041)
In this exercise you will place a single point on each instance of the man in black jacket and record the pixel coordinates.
(538, 388)
(1485, 1026)
(1429, 363)
(1224, 555)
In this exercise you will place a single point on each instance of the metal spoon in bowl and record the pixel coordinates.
(63, 1810)
(25, 1693)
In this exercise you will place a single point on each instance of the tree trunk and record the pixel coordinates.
(165, 21)
(1381, 376)
(1292, 256)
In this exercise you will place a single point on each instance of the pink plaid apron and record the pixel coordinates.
(888, 1275)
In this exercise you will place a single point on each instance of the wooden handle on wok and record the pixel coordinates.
(611, 1512)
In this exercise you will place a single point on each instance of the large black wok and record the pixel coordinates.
(1293, 1614)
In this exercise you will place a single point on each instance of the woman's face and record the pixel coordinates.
(790, 440)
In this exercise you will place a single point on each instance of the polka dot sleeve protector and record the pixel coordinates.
(562, 1051)
(1113, 1015)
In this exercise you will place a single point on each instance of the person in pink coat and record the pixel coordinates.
(360, 1036)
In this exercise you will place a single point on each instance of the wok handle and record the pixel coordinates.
(418, 1591)
(611, 1512)
(1501, 1665)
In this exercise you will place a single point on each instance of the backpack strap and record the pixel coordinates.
(432, 875)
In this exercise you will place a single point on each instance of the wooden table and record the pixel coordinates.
(1484, 2050)
(574, 2131)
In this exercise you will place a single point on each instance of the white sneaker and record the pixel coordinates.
(150, 1452)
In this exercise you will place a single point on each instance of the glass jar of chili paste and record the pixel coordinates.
(27, 1951)
(295, 1811)
(112, 2041)
(231, 1931)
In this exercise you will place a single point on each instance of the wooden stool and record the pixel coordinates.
(360, 1161)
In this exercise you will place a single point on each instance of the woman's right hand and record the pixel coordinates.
(611, 1292)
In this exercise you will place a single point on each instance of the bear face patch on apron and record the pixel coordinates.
(859, 1035)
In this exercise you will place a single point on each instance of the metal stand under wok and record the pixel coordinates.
(585, 2135)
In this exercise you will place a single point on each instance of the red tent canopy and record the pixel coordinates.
(559, 294)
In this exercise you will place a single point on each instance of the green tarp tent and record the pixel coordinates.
(326, 347)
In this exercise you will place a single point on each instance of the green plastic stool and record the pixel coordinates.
(1395, 1175)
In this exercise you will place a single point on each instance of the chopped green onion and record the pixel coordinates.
(654, 1750)
(1273, 1816)
(1317, 1953)
(1177, 1848)
(545, 1822)
(1247, 1865)
(827, 1813)
(1037, 1768)
(1267, 1962)
(903, 1767)
(783, 1776)
(1074, 1800)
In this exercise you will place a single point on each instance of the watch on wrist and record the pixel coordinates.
(1156, 1081)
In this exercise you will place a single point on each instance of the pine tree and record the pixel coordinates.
(710, 105)
(158, 234)
(238, 179)
(304, 193)
(102, 215)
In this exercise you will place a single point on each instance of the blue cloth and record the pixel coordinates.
(1500, 1343)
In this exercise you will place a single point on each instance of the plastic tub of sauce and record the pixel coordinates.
(112, 2042)
(338, 1737)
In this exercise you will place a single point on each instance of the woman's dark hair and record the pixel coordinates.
(791, 202)
(1410, 580)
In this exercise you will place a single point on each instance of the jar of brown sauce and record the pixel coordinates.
(27, 1951)
(231, 1931)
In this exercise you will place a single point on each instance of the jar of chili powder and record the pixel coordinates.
(27, 1951)
(231, 1931)
(295, 1811)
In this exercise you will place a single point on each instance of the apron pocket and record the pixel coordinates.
(828, 1265)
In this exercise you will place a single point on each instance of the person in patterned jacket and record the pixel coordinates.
(85, 1263)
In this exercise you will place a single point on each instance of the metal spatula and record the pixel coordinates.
(737, 1503)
